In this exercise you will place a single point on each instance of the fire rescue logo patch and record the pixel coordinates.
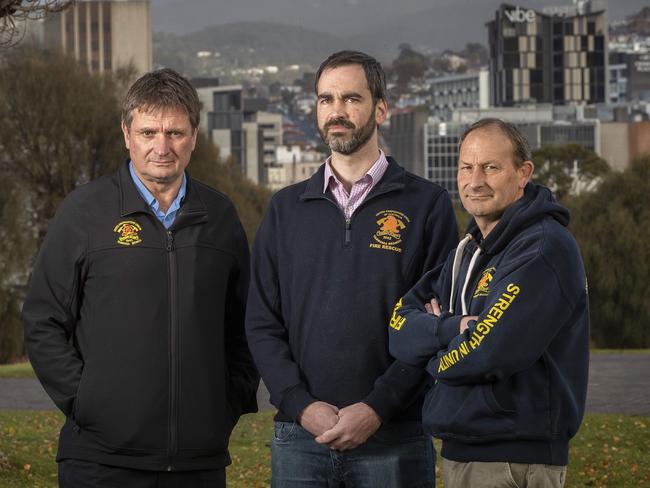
(389, 235)
(127, 232)
(483, 286)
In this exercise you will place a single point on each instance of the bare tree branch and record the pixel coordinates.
(14, 13)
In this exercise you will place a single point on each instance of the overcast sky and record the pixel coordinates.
(349, 18)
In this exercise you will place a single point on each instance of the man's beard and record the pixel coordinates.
(357, 139)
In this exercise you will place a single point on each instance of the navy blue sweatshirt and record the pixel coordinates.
(322, 289)
(512, 387)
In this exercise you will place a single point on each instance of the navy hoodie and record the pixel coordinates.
(322, 289)
(512, 387)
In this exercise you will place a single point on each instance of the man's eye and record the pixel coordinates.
(147, 133)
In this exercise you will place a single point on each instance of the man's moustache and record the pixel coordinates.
(342, 122)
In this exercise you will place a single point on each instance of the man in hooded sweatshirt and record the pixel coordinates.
(502, 326)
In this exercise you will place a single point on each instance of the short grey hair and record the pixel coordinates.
(160, 89)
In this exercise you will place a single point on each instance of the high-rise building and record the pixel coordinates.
(406, 137)
(271, 126)
(242, 132)
(441, 153)
(222, 117)
(451, 92)
(104, 34)
(629, 76)
(557, 56)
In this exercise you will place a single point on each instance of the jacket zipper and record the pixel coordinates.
(348, 231)
(348, 222)
(173, 351)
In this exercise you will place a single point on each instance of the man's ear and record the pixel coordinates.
(525, 173)
(381, 111)
(194, 136)
(127, 135)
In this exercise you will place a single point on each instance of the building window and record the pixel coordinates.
(511, 60)
(568, 27)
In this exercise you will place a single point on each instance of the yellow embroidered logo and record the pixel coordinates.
(127, 231)
(396, 321)
(483, 287)
(482, 330)
(389, 235)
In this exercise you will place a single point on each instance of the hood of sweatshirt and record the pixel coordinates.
(536, 203)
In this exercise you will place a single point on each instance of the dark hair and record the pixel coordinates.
(163, 88)
(520, 147)
(375, 75)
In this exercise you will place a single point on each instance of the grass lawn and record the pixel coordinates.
(633, 352)
(609, 451)
(17, 370)
(24, 369)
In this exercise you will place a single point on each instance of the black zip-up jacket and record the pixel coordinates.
(512, 387)
(137, 333)
(322, 289)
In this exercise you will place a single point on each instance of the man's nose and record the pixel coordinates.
(477, 178)
(161, 145)
(338, 110)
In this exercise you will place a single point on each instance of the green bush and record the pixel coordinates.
(612, 226)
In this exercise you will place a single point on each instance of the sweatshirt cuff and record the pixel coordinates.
(381, 404)
(403, 387)
(295, 401)
(448, 328)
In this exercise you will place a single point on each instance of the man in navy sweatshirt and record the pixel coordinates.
(331, 257)
(503, 326)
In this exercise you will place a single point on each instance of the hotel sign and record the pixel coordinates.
(642, 63)
(520, 15)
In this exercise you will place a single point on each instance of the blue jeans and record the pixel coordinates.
(398, 455)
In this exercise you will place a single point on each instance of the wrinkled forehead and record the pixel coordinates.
(160, 110)
(161, 114)
(486, 144)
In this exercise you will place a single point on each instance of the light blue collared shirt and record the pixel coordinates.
(167, 219)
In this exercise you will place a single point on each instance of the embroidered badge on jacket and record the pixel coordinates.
(389, 235)
(483, 287)
(127, 231)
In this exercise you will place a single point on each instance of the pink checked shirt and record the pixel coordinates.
(349, 202)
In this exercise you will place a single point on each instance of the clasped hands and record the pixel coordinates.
(340, 429)
(349, 427)
(433, 307)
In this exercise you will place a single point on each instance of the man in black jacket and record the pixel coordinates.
(331, 256)
(134, 313)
